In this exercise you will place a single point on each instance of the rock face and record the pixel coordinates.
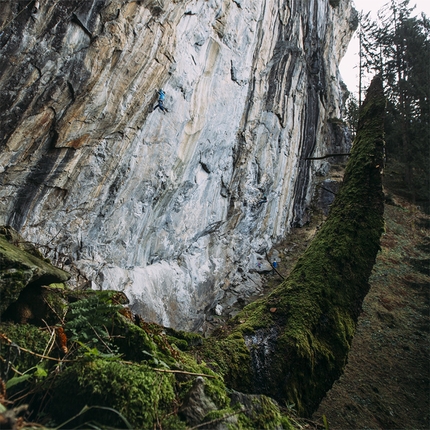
(168, 208)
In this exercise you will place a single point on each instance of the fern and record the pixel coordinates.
(89, 321)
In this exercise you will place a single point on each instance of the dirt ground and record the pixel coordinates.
(386, 381)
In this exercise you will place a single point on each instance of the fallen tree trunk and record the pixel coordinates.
(293, 344)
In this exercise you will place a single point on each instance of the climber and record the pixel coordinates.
(161, 97)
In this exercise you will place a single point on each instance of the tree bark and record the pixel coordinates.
(293, 344)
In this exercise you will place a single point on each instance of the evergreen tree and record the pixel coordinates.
(351, 113)
(397, 48)
(366, 30)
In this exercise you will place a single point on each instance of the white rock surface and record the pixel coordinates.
(165, 207)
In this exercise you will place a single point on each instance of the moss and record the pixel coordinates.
(12, 282)
(214, 386)
(151, 344)
(227, 416)
(55, 296)
(143, 396)
(146, 391)
(254, 412)
(262, 412)
(148, 342)
(60, 285)
(24, 336)
(134, 343)
(229, 357)
(13, 237)
(120, 362)
(19, 268)
(216, 390)
(182, 339)
(265, 414)
(179, 343)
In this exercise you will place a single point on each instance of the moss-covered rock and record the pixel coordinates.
(135, 391)
(13, 237)
(99, 365)
(20, 268)
(147, 382)
(260, 412)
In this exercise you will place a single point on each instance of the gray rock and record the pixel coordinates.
(196, 404)
(165, 207)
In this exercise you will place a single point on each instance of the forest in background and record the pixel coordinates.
(397, 47)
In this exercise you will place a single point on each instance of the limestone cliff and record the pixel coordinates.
(166, 207)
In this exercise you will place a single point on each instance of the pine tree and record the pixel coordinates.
(351, 113)
(366, 31)
(397, 48)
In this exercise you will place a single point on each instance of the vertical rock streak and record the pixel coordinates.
(164, 207)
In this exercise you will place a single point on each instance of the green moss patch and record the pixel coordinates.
(19, 268)
(136, 391)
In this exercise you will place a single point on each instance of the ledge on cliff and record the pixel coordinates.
(23, 270)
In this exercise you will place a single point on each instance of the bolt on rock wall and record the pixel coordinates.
(168, 207)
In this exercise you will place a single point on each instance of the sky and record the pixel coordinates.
(348, 65)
